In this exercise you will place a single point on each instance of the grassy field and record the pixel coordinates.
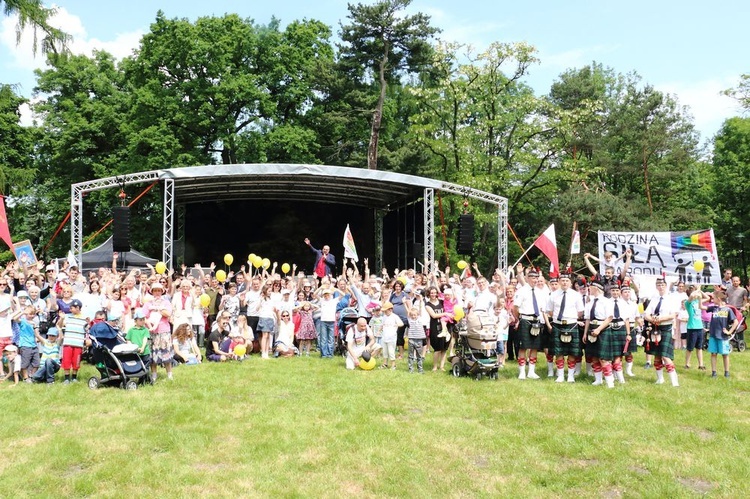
(305, 427)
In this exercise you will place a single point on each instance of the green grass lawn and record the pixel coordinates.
(306, 427)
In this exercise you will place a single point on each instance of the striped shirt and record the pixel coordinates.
(50, 350)
(416, 330)
(75, 331)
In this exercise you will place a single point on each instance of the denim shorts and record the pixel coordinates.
(265, 325)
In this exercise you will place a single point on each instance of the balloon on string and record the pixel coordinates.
(240, 350)
(160, 267)
(402, 280)
(257, 262)
(221, 276)
(640, 308)
(205, 300)
(251, 258)
(266, 263)
(698, 265)
(285, 268)
(228, 259)
(458, 313)
(462, 264)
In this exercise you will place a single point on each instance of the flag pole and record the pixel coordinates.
(524, 253)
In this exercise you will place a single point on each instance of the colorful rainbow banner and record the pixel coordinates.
(690, 256)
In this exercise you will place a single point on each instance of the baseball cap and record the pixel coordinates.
(138, 314)
(76, 303)
(53, 331)
(50, 267)
(11, 348)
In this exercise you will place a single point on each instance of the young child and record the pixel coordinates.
(28, 349)
(376, 322)
(722, 326)
(306, 333)
(449, 304)
(50, 361)
(139, 335)
(416, 335)
(501, 327)
(73, 326)
(236, 339)
(14, 362)
(391, 323)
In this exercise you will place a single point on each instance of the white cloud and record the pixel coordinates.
(575, 58)
(23, 54)
(708, 107)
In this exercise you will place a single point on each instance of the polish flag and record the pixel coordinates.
(547, 242)
(4, 228)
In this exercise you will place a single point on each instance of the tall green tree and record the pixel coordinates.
(381, 43)
(33, 14)
(731, 162)
(16, 144)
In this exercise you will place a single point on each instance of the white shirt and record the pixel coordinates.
(573, 305)
(524, 300)
(604, 308)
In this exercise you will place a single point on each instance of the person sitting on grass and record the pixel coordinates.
(219, 331)
(235, 339)
(284, 346)
(722, 326)
(139, 335)
(14, 362)
(50, 360)
(359, 338)
(185, 347)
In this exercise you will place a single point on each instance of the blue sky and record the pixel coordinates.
(692, 49)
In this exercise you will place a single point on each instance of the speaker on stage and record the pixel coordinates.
(465, 234)
(121, 228)
(417, 251)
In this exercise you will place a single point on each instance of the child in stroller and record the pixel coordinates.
(118, 362)
(476, 350)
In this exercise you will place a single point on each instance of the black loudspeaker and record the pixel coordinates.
(417, 251)
(465, 234)
(121, 228)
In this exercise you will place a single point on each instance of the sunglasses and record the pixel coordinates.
(284, 315)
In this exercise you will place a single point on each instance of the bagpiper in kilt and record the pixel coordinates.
(620, 331)
(564, 310)
(630, 311)
(598, 336)
(528, 308)
(548, 338)
(661, 313)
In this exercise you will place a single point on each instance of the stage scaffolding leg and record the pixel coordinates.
(502, 236)
(168, 222)
(429, 229)
(179, 248)
(76, 223)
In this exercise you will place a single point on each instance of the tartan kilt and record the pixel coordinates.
(548, 339)
(633, 346)
(612, 343)
(665, 348)
(529, 342)
(594, 349)
(562, 349)
(619, 338)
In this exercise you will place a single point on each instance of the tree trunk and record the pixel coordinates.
(377, 117)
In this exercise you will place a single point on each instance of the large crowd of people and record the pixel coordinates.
(592, 324)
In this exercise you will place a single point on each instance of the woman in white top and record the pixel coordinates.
(266, 320)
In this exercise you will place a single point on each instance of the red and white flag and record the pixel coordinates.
(547, 242)
(350, 251)
(4, 228)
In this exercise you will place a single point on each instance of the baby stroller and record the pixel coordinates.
(347, 316)
(118, 362)
(476, 349)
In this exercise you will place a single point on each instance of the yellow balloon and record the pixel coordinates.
(698, 265)
(205, 300)
(257, 262)
(228, 259)
(251, 257)
(462, 264)
(367, 365)
(221, 276)
(285, 268)
(266, 263)
(402, 280)
(458, 313)
(640, 308)
(161, 267)
(240, 350)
